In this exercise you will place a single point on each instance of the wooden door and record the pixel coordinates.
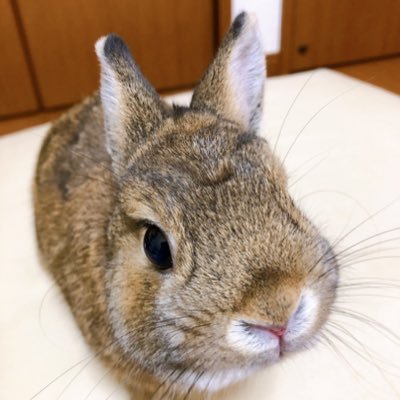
(16, 89)
(172, 40)
(331, 32)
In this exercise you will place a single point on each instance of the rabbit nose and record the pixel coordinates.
(278, 331)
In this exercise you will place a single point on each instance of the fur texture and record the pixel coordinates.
(245, 258)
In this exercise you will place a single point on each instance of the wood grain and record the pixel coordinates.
(172, 41)
(288, 8)
(12, 125)
(274, 64)
(16, 89)
(224, 12)
(384, 73)
(332, 32)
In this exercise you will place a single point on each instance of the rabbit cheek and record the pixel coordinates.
(303, 322)
(132, 294)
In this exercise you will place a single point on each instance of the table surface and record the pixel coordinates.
(344, 168)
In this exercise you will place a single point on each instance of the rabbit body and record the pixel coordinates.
(247, 263)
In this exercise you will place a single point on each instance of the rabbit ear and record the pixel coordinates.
(233, 86)
(132, 108)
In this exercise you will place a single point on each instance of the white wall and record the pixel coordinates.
(269, 14)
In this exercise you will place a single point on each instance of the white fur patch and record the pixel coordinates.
(213, 381)
(304, 317)
(254, 341)
(250, 342)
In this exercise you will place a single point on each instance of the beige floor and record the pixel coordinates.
(344, 166)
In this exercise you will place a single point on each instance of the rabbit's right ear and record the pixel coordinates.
(233, 86)
(132, 108)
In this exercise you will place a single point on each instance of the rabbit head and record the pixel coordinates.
(213, 270)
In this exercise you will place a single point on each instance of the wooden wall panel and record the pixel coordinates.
(384, 73)
(16, 89)
(224, 14)
(172, 40)
(333, 32)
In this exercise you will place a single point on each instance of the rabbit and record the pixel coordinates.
(170, 229)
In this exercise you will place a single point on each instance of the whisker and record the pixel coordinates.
(366, 252)
(314, 116)
(312, 168)
(379, 282)
(373, 323)
(341, 193)
(307, 161)
(99, 382)
(290, 109)
(333, 346)
(338, 254)
(357, 226)
(170, 387)
(111, 394)
(365, 260)
(163, 382)
(91, 357)
(40, 316)
(370, 352)
(364, 221)
(196, 379)
(345, 250)
(359, 354)
(353, 262)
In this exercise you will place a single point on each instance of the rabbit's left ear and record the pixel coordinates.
(233, 86)
(132, 108)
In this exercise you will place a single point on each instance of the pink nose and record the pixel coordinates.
(277, 331)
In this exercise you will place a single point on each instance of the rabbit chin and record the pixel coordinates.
(212, 381)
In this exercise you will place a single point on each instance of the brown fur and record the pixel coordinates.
(241, 245)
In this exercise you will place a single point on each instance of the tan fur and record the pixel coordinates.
(240, 246)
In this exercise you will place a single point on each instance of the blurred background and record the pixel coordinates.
(47, 60)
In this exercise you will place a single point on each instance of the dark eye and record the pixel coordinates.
(156, 247)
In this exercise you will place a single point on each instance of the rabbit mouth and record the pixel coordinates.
(254, 345)
(257, 338)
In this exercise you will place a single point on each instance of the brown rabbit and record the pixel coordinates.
(171, 232)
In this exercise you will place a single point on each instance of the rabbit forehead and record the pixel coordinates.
(210, 172)
(192, 140)
(247, 219)
(199, 150)
(231, 187)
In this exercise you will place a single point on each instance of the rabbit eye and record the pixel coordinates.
(156, 247)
